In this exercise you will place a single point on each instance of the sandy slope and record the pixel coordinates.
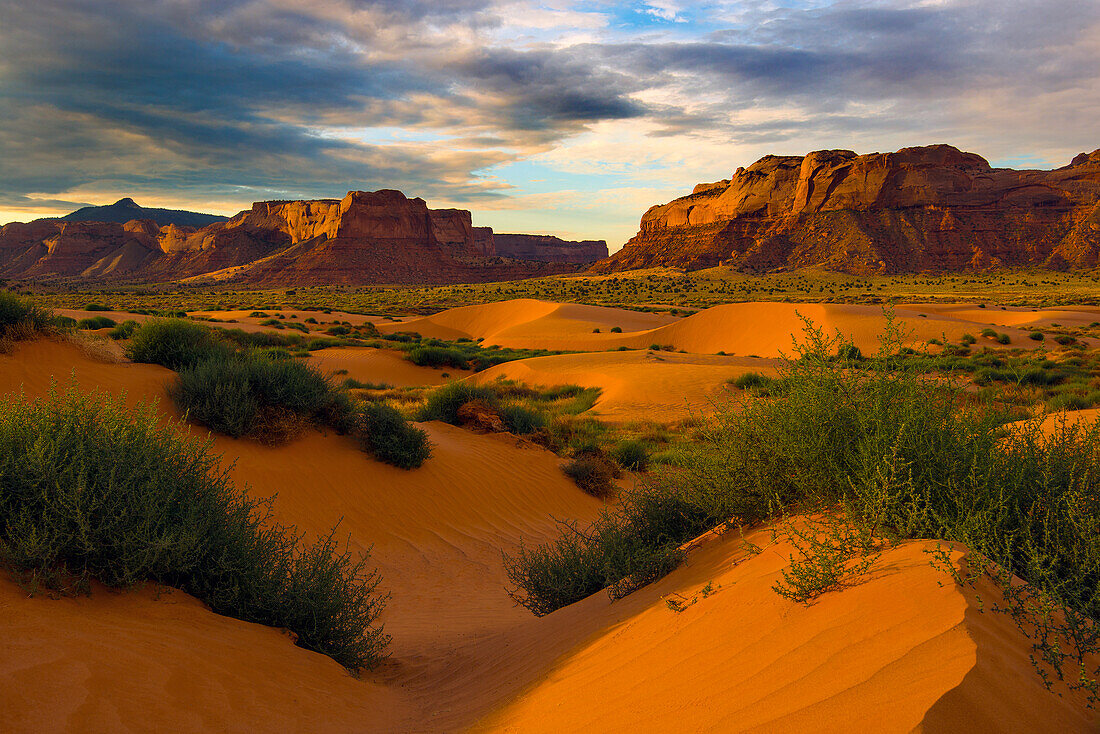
(1017, 316)
(636, 385)
(743, 329)
(903, 651)
(531, 323)
(896, 653)
(380, 366)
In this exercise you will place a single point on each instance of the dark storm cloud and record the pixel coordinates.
(95, 91)
(209, 95)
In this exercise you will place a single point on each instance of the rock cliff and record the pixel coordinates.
(548, 248)
(366, 237)
(931, 208)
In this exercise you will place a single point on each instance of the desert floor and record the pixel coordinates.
(904, 650)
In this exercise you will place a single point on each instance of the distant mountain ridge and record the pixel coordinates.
(368, 237)
(126, 210)
(932, 208)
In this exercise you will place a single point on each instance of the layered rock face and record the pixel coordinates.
(548, 248)
(366, 237)
(931, 208)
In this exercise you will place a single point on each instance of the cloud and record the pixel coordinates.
(209, 99)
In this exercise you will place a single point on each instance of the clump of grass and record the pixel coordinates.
(97, 307)
(631, 454)
(1036, 336)
(175, 344)
(385, 433)
(92, 490)
(125, 330)
(430, 356)
(444, 403)
(261, 398)
(750, 380)
(96, 322)
(21, 318)
(593, 473)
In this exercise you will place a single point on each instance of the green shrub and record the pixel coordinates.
(522, 420)
(616, 330)
(96, 307)
(443, 403)
(1036, 336)
(96, 322)
(1003, 339)
(124, 330)
(988, 333)
(430, 356)
(20, 318)
(631, 454)
(968, 339)
(1065, 340)
(258, 398)
(750, 380)
(92, 490)
(175, 344)
(386, 434)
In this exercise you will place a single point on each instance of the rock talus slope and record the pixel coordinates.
(929, 208)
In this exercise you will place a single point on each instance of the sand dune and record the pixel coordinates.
(380, 366)
(898, 653)
(1017, 316)
(636, 385)
(531, 323)
(744, 329)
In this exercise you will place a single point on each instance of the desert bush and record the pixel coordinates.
(175, 344)
(750, 380)
(386, 434)
(443, 403)
(631, 454)
(92, 490)
(124, 330)
(616, 330)
(96, 307)
(522, 420)
(593, 475)
(1036, 336)
(438, 357)
(259, 398)
(20, 318)
(1003, 339)
(96, 322)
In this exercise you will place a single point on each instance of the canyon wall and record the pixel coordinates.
(931, 208)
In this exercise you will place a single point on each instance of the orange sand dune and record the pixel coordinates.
(635, 385)
(1018, 316)
(903, 651)
(766, 329)
(744, 329)
(527, 322)
(897, 653)
(380, 366)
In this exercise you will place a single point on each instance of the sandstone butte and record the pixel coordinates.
(366, 237)
(920, 209)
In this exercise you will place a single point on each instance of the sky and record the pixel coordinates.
(559, 117)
